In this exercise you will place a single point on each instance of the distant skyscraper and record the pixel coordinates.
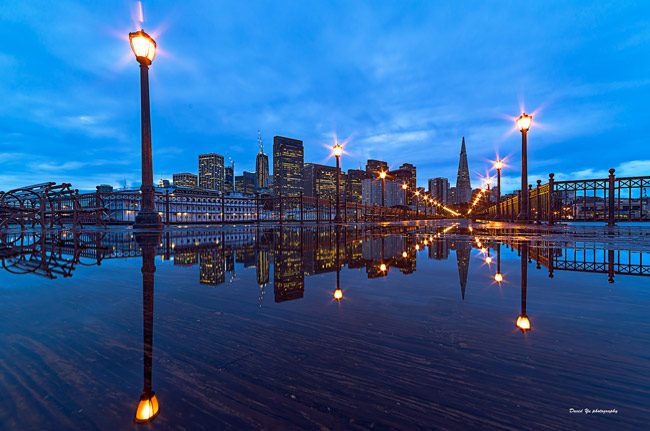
(353, 190)
(185, 179)
(288, 162)
(371, 192)
(211, 172)
(261, 165)
(463, 184)
(319, 181)
(405, 174)
(374, 166)
(229, 179)
(452, 195)
(245, 184)
(439, 189)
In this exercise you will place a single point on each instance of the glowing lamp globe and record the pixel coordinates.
(338, 294)
(404, 254)
(417, 193)
(337, 150)
(498, 164)
(523, 323)
(382, 175)
(523, 122)
(405, 186)
(143, 46)
(488, 260)
(383, 267)
(417, 246)
(148, 408)
(498, 277)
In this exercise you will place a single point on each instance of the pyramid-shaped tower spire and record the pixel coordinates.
(463, 184)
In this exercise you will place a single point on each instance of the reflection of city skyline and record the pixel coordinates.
(289, 253)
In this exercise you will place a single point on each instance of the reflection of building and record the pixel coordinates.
(211, 266)
(439, 189)
(183, 257)
(262, 267)
(288, 161)
(463, 184)
(211, 172)
(463, 252)
(371, 193)
(288, 275)
(185, 179)
(438, 249)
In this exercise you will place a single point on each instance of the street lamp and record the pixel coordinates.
(417, 203)
(404, 188)
(338, 150)
(488, 182)
(382, 176)
(498, 165)
(144, 48)
(523, 123)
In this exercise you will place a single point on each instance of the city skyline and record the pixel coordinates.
(84, 128)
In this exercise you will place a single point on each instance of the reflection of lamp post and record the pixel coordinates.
(523, 123)
(498, 277)
(338, 293)
(498, 165)
(338, 150)
(404, 188)
(148, 407)
(523, 322)
(144, 48)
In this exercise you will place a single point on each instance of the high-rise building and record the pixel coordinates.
(405, 175)
(353, 190)
(163, 183)
(439, 189)
(229, 181)
(185, 179)
(452, 195)
(288, 162)
(245, 184)
(374, 166)
(261, 165)
(463, 184)
(211, 172)
(320, 181)
(371, 192)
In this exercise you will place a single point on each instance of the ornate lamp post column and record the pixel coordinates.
(382, 176)
(338, 150)
(498, 165)
(523, 123)
(417, 204)
(144, 48)
(404, 188)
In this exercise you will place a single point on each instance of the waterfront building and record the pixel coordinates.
(288, 163)
(320, 181)
(185, 179)
(371, 192)
(245, 183)
(463, 183)
(211, 172)
(229, 181)
(374, 166)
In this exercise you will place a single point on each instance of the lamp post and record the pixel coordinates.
(488, 181)
(148, 406)
(498, 165)
(144, 48)
(404, 188)
(417, 203)
(523, 322)
(523, 123)
(382, 176)
(338, 150)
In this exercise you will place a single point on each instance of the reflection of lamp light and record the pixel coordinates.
(417, 246)
(148, 407)
(523, 323)
(338, 294)
(498, 277)
(404, 254)
(382, 267)
(488, 260)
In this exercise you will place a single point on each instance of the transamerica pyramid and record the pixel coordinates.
(463, 184)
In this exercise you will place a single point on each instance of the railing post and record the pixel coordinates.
(538, 216)
(551, 200)
(610, 219)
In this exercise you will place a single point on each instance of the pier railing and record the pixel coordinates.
(607, 200)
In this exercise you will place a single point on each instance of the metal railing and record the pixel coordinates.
(608, 200)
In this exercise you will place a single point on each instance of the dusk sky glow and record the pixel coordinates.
(396, 81)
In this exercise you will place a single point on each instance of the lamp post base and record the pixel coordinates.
(148, 220)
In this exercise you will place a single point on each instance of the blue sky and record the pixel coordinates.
(401, 81)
